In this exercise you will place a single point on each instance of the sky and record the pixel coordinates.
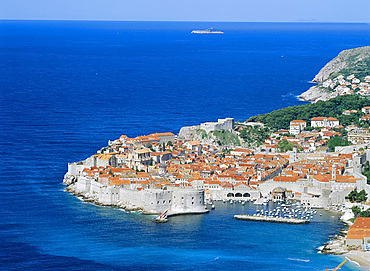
(189, 10)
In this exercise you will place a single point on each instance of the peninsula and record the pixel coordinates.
(346, 74)
(316, 155)
(180, 173)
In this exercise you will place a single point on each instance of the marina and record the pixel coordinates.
(271, 219)
(279, 212)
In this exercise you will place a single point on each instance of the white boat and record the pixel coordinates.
(258, 201)
(207, 31)
(213, 206)
(161, 218)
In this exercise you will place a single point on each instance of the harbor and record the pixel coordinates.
(271, 219)
(267, 210)
(279, 212)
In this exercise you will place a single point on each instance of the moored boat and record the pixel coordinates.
(161, 218)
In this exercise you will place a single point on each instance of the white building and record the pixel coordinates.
(164, 137)
(324, 122)
(151, 201)
(366, 110)
(241, 152)
(221, 124)
(297, 126)
(138, 159)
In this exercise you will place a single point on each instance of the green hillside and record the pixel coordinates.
(280, 119)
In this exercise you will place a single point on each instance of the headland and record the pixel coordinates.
(346, 74)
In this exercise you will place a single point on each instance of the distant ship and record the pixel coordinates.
(207, 31)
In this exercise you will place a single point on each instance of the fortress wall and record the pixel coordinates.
(157, 201)
(338, 197)
(74, 169)
(130, 197)
(109, 195)
(187, 201)
(151, 200)
(95, 188)
(83, 185)
(221, 124)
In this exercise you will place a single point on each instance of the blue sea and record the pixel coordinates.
(67, 87)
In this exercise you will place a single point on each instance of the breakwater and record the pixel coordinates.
(271, 219)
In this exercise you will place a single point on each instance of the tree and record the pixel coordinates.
(358, 213)
(337, 141)
(280, 119)
(364, 213)
(149, 146)
(356, 210)
(254, 135)
(169, 143)
(284, 146)
(352, 196)
(366, 171)
(309, 128)
(361, 196)
(355, 196)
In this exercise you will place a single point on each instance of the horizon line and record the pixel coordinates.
(180, 21)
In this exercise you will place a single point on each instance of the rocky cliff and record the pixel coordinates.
(353, 61)
(315, 93)
(219, 138)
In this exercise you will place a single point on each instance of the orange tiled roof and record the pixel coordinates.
(323, 118)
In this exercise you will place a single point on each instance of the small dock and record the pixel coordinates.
(271, 219)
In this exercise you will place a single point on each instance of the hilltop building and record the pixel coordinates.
(324, 122)
(221, 124)
(297, 126)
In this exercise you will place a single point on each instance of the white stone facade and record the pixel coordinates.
(324, 122)
(151, 201)
(221, 124)
(296, 127)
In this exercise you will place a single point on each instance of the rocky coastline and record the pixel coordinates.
(337, 246)
(70, 182)
(96, 196)
(315, 94)
(346, 61)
